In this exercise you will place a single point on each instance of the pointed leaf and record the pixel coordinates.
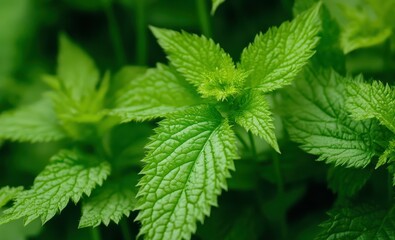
(202, 62)
(158, 92)
(68, 176)
(359, 222)
(255, 116)
(8, 193)
(372, 101)
(317, 119)
(76, 70)
(33, 123)
(276, 57)
(187, 166)
(109, 203)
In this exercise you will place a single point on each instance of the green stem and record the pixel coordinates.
(204, 17)
(280, 193)
(115, 35)
(125, 230)
(390, 187)
(253, 147)
(141, 33)
(95, 233)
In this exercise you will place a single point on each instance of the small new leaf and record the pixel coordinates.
(377, 100)
(359, 222)
(76, 70)
(202, 62)
(276, 57)
(187, 165)
(33, 123)
(158, 92)
(255, 116)
(347, 181)
(8, 193)
(69, 175)
(108, 203)
(318, 120)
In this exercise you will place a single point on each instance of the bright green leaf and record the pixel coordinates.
(187, 165)
(69, 175)
(359, 222)
(8, 193)
(32, 123)
(109, 203)
(276, 57)
(377, 100)
(158, 92)
(202, 62)
(255, 116)
(76, 70)
(317, 119)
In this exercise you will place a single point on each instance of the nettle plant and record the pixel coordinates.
(201, 94)
(206, 104)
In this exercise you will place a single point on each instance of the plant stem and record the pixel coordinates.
(204, 17)
(253, 147)
(141, 33)
(115, 35)
(390, 187)
(125, 230)
(280, 193)
(95, 233)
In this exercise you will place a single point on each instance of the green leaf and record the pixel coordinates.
(255, 116)
(347, 181)
(317, 120)
(109, 203)
(377, 100)
(359, 222)
(187, 165)
(76, 70)
(32, 123)
(388, 154)
(202, 62)
(68, 176)
(158, 92)
(215, 4)
(8, 193)
(276, 57)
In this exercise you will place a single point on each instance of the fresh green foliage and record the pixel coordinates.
(319, 121)
(194, 147)
(108, 203)
(7, 194)
(190, 148)
(359, 222)
(69, 175)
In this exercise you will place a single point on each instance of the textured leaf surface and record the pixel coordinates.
(76, 70)
(68, 176)
(8, 193)
(109, 203)
(202, 62)
(372, 101)
(33, 123)
(363, 222)
(187, 166)
(255, 116)
(276, 57)
(158, 92)
(318, 120)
